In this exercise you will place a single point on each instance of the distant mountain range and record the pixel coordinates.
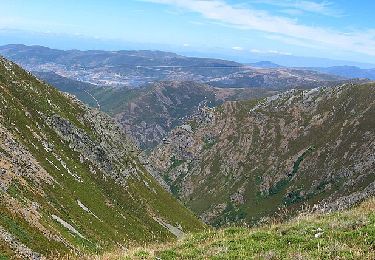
(118, 68)
(348, 72)
(80, 42)
(139, 68)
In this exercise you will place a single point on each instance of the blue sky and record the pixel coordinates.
(333, 29)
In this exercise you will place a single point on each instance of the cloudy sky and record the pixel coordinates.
(337, 29)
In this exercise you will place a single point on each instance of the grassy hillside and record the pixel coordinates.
(70, 179)
(341, 235)
(243, 161)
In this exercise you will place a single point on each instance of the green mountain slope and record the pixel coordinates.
(342, 235)
(248, 160)
(70, 179)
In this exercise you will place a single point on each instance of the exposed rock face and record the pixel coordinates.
(70, 178)
(245, 160)
(111, 160)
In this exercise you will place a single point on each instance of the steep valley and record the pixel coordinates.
(73, 182)
(149, 113)
(187, 130)
(151, 92)
(248, 160)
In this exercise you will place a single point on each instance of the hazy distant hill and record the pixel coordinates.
(276, 78)
(125, 83)
(265, 64)
(348, 72)
(117, 68)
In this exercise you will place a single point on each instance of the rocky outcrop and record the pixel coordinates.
(20, 249)
(111, 151)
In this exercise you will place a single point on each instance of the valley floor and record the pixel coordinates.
(341, 235)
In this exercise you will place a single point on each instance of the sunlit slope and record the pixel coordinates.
(70, 179)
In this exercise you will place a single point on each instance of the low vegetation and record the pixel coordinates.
(341, 235)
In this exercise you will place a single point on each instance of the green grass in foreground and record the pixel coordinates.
(341, 235)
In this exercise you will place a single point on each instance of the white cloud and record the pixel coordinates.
(186, 45)
(299, 6)
(324, 8)
(279, 52)
(8, 21)
(293, 41)
(252, 19)
(270, 52)
(255, 51)
(237, 48)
